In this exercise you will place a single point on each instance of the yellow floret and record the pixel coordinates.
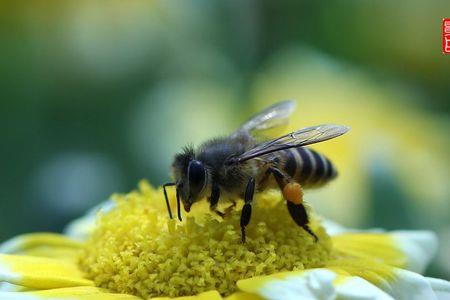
(136, 249)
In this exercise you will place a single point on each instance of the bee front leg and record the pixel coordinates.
(293, 193)
(214, 199)
(247, 208)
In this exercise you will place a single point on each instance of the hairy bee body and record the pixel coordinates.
(303, 165)
(232, 179)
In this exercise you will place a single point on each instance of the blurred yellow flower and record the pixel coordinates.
(129, 249)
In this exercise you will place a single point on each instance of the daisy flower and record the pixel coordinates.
(128, 248)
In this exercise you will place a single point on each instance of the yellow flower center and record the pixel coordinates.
(136, 249)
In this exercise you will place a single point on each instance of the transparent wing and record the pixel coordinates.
(302, 137)
(273, 116)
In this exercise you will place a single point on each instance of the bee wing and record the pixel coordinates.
(302, 137)
(273, 116)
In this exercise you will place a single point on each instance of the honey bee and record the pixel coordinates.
(241, 164)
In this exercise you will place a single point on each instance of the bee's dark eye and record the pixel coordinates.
(196, 176)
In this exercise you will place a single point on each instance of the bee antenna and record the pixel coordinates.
(167, 198)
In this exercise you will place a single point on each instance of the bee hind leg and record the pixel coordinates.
(247, 208)
(300, 217)
(293, 193)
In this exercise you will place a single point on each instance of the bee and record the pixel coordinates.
(241, 164)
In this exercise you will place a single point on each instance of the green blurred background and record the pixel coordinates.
(97, 95)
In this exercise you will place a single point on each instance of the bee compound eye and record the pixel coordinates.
(196, 176)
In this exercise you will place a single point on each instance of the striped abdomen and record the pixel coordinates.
(306, 166)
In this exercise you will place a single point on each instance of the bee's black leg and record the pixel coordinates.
(297, 211)
(214, 199)
(281, 178)
(179, 206)
(300, 216)
(167, 198)
(247, 208)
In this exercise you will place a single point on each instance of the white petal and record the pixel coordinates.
(72, 293)
(7, 274)
(12, 245)
(440, 287)
(17, 296)
(314, 284)
(419, 247)
(81, 228)
(413, 286)
(321, 284)
(8, 287)
(355, 288)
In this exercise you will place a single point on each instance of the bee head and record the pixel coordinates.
(190, 176)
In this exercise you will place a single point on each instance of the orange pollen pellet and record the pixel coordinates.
(293, 192)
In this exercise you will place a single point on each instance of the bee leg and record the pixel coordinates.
(214, 199)
(247, 208)
(179, 206)
(300, 216)
(229, 209)
(219, 213)
(293, 193)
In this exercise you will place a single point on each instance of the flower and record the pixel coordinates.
(129, 249)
